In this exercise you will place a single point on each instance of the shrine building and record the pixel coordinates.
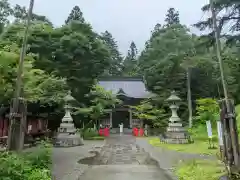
(131, 91)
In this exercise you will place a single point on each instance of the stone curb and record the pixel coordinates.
(168, 172)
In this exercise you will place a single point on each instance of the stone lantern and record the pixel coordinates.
(67, 134)
(176, 133)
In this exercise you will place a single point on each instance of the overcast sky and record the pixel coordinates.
(127, 20)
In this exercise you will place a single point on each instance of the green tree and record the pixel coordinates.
(38, 86)
(75, 15)
(207, 109)
(5, 12)
(115, 68)
(172, 17)
(174, 59)
(100, 101)
(20, 14)
(146, 111)
(130, 63)
(73, 51)
(74, 46)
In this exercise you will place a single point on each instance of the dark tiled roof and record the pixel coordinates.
(130, 87)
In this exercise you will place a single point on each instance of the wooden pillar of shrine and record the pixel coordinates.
(130, 118)
(110, 119)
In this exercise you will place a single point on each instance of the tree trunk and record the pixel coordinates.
(189, 97)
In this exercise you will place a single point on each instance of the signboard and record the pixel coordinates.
(220, 133)
(209, 129)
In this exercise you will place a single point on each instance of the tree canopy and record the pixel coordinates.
(73, 56)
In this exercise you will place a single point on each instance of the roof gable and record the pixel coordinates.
(130, 87)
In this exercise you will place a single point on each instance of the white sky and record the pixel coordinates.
(127, 20)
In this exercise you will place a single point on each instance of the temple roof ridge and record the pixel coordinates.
(133, 87)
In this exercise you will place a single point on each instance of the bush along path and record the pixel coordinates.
(183, 165)
(31, 165)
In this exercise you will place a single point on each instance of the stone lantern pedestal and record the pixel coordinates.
(176, 133)
(67, 135)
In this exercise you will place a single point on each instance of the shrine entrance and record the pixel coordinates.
(119, 117)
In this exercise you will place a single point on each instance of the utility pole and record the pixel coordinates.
(230, 134)
(17, 121)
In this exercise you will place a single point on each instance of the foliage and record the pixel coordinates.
(20, 13)
(75, 46)
(100, 100)
(5, 12)
(130, 63)
(41, 157)
(207, 109)
(228, 21)
(237, 110)
(200, 169)
(34, 165)
(89, 133)
(75, 15)
(147, 111)
(172, 17)
(38, 86)
(115, 68)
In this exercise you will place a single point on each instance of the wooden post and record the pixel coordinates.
(111, 119)
(15, 127)
(130, 118)
(230, 138)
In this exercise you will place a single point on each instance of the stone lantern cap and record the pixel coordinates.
(173, 97)
(68, 97)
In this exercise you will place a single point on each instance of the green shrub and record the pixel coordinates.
(32, 165)
(200, 133)
(41, 157)
(207, 110)
(40, 174)
(89, 133)
(13, 167)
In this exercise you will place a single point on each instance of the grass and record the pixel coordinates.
(199, 170)
(198, 147)
(195, 169)
(95, 138)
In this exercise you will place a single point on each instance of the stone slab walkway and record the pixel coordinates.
(65, 160)
(122, 159)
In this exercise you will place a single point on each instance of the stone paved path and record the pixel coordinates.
(122, 159)
(65, 160)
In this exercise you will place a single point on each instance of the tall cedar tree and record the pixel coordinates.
(115, 68)
(130, 65)
(76, 15)
(172, 17)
